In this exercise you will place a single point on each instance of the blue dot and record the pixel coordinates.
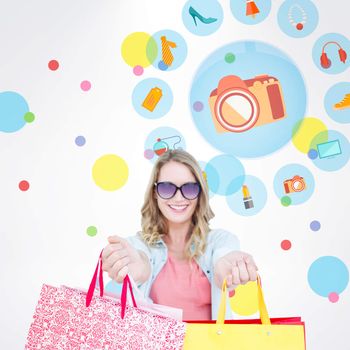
(312, 154)
(315, 225)
(328, 274)
(80, 141)
(162, 65)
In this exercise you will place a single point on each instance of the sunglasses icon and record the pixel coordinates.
(167, 190)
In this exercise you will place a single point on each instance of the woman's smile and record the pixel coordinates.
(177, 208)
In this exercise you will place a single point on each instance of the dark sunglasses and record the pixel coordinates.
(167, 190)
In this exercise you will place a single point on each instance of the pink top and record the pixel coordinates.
(181, 286)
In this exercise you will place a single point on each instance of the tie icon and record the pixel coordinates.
(167, 56)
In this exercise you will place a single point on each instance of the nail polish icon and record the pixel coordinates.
(247, 199)
(195, 14)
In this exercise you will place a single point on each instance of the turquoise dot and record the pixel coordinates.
(328, 274)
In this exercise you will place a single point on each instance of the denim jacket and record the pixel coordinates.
(219, 243)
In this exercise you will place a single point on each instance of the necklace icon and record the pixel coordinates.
(299, 25)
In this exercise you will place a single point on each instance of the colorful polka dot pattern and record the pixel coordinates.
(324, 149)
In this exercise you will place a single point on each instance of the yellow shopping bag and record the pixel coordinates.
(263, 334)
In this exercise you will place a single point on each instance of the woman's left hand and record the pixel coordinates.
(237, 267)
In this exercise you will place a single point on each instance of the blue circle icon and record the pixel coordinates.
(172, 50)
(13, 108)
(337, 102)
(250, 199)
(251, 95)
(333, 150)
(202, 18)
(161, 140)
(225, 174)
(294, 184)
(330, 53)
(251, 11)
(298, 19)
(328, 274)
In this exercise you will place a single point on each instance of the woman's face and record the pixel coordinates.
(177, 209)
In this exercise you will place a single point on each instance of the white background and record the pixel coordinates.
(42, 231)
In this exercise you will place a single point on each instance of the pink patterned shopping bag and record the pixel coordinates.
(68, 318)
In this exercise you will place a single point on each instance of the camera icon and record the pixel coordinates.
(238, 105)
(295, 184)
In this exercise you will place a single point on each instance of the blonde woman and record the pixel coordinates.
(177, 260)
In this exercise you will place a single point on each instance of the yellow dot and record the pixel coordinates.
(110, 172)
(139, 49)
(245, 300)
(304, 132)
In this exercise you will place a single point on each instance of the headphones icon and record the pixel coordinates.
(325, 61)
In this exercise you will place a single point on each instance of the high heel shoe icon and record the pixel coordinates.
(195, 14)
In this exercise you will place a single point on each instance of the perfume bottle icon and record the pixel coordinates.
(161, 146)
(247, 199)
(152, 99)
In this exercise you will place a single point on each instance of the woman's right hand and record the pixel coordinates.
(119, 258)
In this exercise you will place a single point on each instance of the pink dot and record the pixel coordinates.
(138, 70)
(286, 244)
(333, 297)
(53, 65)
(85, 85)
(148, 154)
(23, 185)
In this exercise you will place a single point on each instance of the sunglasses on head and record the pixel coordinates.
(167, 190)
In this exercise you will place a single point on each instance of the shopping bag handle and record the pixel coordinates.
(98, 272)
(264, 316)
(126, 283)
(124, 296)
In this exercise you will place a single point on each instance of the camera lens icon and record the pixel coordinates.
(238, 105)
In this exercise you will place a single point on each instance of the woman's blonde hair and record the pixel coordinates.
(154, 224)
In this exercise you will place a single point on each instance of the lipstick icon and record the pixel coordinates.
(247, 199)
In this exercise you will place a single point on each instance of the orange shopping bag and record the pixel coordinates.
(261, 334)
